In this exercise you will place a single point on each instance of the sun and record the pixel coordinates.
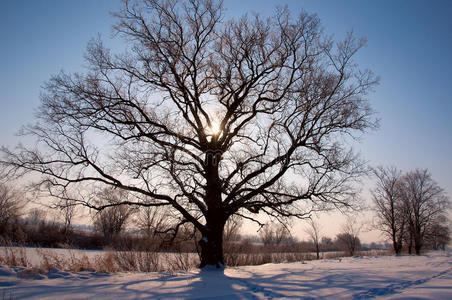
(214, 128)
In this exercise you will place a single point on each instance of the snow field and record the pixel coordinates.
(383, 277)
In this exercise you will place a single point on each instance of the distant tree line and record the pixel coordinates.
(410, 210)
(146, 228)
(115, 226)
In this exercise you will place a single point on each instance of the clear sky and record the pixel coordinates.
(409, 47)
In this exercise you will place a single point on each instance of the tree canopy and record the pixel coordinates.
(208, 116)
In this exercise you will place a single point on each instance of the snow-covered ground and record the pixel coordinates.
(386, 277)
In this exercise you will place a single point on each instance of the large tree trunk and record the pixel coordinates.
(211, 245)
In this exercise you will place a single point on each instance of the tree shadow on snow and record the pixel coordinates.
(215, 284)
(202, 284)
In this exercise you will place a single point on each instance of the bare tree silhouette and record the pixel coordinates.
(315, 234)
(111, 220)
(11, 205)
(348, 238)
(389, 205)
(213, 118)
(425, 201)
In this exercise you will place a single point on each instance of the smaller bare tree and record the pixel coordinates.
(36, 216)
(314, 233)
(68, 210)
(327, 243)
(389, 206)
(266, 235)
(424, 202)
(152, 221)
(438, 233)
(112, 218)
(231, 234)
(232, 229)
(274, 233)
(11, 204)
(348, 237)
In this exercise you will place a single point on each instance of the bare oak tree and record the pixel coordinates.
(213, 118)
(389, 205)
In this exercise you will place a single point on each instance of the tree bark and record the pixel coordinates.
(211, 243)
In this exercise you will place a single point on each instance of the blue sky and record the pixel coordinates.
(409, 47)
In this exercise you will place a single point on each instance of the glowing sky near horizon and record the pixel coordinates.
(409, 47)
